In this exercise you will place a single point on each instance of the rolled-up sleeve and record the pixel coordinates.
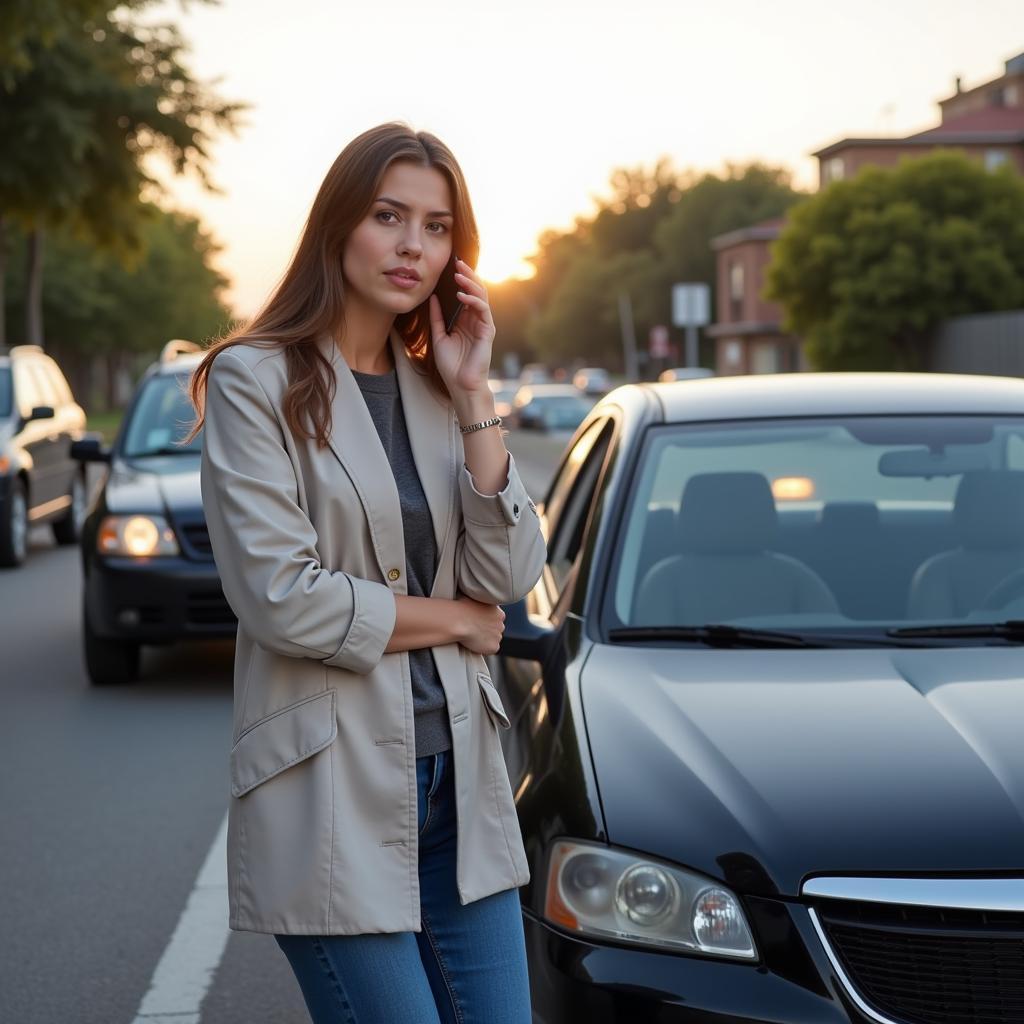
(264, 544)
(500, 551)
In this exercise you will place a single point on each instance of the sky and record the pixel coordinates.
(540, 100)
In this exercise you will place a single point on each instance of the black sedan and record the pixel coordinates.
(149, 572)
(767, 705)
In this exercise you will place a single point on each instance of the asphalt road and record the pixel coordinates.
(110, 800)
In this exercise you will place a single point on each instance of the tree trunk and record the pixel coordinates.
(34, 289)
(3, 281)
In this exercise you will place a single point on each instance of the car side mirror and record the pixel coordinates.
(90, 449)
(523, 636)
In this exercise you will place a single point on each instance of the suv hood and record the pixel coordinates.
(761, 767)
(157, 484)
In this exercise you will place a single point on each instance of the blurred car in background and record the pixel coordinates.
(592, 380)
(549, 407)
(39, 480)
(764, 705)
(149, 574)
(504, 391)
(684, 373)
(535, 373)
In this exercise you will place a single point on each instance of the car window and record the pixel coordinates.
(830, 522)
(566, 474)
(26, 391)
(160, 417)
(6, 392)
(567, 532)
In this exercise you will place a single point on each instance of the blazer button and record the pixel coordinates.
(515, 510)
(393, 574)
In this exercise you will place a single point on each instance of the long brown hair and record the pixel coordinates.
(309, 301)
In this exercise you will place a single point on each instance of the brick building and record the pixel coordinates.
(986, 122)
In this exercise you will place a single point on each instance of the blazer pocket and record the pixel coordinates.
(492, 701)
(282, 739)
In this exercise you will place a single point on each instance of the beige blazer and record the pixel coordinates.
(322, 829)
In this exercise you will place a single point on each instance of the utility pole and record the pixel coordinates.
(628, 337)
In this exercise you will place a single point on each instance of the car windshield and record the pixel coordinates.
(5, 391)
(162, 416)
(850, 524)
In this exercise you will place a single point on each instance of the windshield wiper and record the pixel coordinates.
(1011, 629)
(715, 634)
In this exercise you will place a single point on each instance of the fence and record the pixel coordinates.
(982, 343)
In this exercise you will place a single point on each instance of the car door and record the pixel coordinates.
(564, 514)
(37, 438)
(69, 422)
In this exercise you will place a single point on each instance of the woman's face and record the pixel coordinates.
(408, 228)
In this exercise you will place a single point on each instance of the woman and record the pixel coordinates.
(367, 521)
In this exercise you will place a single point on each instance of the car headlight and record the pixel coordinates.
(137, 536)
(607, 893)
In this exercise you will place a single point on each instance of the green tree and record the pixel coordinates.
(93, 100)
(101, 312)
(868, 267)
(654, 230)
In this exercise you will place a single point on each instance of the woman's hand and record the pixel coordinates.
(464, 356)
(480, 626)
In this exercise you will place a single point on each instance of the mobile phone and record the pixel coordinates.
(447, 291)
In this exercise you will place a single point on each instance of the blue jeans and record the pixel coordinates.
(466, 966)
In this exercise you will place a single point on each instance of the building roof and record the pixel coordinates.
(763, 231)
(988, 122)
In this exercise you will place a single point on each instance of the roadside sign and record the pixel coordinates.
(657, 341)
(691, 304)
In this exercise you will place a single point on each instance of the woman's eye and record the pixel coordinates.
(438, 224)
(386, 213)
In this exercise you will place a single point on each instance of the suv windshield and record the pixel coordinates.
(837, 525)
(161, 416)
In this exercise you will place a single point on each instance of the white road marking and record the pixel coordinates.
(186, 969)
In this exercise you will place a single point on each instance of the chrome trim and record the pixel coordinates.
(844, 979)
(949, 893)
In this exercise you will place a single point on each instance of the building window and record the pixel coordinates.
(995, 158)
(735, 292)
(835, 169)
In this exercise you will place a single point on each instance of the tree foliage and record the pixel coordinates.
(90, 106)
(654, 230)
(868, 267)
(93, 303)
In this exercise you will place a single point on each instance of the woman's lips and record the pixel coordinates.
(401, 281)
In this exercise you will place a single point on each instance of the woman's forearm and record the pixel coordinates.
(424, 622)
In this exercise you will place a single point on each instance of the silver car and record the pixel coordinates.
(766, 705)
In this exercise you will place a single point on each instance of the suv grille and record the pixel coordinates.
(208, 609)
(929, 965)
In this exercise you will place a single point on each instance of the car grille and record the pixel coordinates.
(929, 965)
(196, 538)
(208, 609)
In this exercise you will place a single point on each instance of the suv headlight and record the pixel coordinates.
(606, 893)
(137, 536)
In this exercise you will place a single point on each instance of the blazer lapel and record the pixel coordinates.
(356, 444)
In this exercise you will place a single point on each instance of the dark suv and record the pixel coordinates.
(39, 480)
(148, 567)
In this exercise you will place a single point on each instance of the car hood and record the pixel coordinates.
(158, 484)
(761, 767)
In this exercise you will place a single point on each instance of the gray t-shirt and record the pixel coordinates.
(380, 391)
